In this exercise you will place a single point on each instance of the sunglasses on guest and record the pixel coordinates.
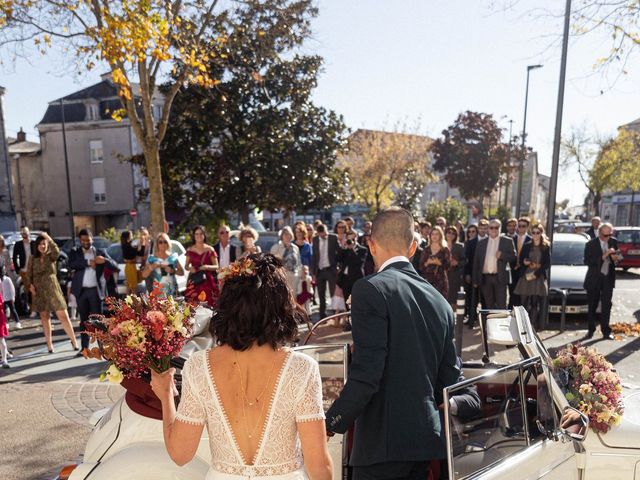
(494, 228)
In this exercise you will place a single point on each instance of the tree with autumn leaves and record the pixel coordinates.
(472, 156)
(387, 167)
(255, 140)
(140, 42)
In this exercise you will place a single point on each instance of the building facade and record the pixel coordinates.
(621, 208)
(535, 190)
(104, 187)
(27, 176)
(7, 207)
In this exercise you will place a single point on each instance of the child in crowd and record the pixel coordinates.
(9, 295)
(72, 304)
(4, 333)
(305, 290)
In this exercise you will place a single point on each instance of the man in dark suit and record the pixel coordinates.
(226, 253)
(325, 264)
(352, 258)
(490, 272)
(22, 250)
(403, 357)
(600, 255)
(88, 284)
(592, 231)
(520, 239)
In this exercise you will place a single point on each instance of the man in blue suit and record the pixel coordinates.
(88, 284)
(403, 357)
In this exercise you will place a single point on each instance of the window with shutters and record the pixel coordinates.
(99, 191)
(96, 152)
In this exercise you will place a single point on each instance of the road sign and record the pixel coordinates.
(133, 212)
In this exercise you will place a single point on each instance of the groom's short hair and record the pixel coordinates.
(393, 229)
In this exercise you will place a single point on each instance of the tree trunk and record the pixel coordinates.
(244, 215)
(596, 203)
(156, 194)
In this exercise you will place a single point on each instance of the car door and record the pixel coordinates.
(332, 360)
(506, 437)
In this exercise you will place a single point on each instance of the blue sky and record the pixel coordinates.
(427, 60)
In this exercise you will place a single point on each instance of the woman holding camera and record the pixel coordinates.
(532, 286)
(248, 236)
(351, 257)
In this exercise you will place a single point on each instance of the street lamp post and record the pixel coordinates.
(524, 136)
(508, 177)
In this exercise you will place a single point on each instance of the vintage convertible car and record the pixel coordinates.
(512, 432)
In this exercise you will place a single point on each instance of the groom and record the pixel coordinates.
(403, 357)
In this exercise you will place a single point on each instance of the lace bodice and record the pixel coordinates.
(297, 397)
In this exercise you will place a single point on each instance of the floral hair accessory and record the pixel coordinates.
(240, 268)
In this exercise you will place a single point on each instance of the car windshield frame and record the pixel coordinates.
(632, 234)
(568, 252)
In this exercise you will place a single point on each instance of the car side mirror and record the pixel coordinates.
(574, 424)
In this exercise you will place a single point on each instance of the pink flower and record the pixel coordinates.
(156, 316)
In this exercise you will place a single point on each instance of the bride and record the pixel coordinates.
(260, 401)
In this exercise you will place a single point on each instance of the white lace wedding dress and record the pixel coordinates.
(297, 397)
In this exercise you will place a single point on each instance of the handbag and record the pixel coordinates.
(198, 277)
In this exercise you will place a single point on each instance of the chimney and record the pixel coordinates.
(22, 136)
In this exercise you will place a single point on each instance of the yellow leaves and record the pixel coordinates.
(119, 114)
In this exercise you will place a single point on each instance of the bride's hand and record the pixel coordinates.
(163, 384)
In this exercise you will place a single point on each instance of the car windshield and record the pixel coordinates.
(568, 253)
(628, 236)
(115, 252)
(101, 242)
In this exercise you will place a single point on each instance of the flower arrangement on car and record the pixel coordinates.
(141, 332)
(591, 385)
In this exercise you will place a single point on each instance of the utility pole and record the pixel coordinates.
(553, 183)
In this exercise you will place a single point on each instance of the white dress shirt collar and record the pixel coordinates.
(399, 258)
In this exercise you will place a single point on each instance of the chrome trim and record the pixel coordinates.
(616, 454)
(445, 392)
(337, 316)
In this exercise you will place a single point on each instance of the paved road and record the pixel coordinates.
(46, 400)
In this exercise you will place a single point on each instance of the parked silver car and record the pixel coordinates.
(566, 291)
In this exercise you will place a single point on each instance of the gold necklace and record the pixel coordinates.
(251, 431)
(242, 384)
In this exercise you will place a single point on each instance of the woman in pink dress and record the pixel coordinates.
(201, 263)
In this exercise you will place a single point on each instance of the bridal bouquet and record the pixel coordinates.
(141, 333)
(591, 385)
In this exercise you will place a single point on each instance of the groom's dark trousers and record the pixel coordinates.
(403, 357)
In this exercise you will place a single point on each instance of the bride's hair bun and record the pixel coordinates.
(256, 304)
